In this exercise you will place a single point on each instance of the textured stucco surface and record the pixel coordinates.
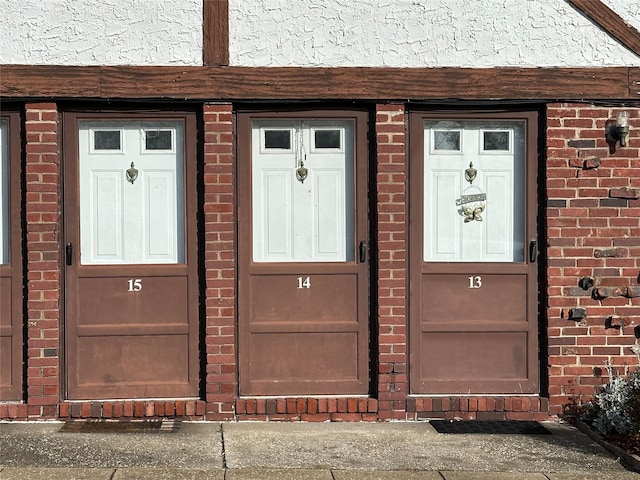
(391, 33)
(101, 32)
(628, 10)
(422, 33)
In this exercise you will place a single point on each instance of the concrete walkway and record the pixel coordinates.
(284, 451)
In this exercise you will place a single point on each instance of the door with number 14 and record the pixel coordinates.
(303, 289)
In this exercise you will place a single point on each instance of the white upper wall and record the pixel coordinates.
(628, 10)
(101, 32)
(329, 33)
(423, 33)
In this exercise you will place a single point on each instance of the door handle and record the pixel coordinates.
(533, 251)
(363, 251)
(69, 253)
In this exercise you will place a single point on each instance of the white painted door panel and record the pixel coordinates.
(485, 230)
(296, 219)
(131, 222)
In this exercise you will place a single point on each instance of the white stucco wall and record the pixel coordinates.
(423, 33)
(629, 10)
(101, 32)
(392, 33)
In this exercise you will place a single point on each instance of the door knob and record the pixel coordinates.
(69, 253)
(533, 251)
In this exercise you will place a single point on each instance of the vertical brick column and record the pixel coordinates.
(392, 266)
(593, 240)
(43, 206)
(219, 257)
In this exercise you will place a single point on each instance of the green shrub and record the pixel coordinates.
(617, 408)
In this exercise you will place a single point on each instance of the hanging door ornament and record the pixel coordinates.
(472, 201)
(301, 170)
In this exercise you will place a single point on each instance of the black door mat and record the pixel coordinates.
(102, 426)
(500, 427)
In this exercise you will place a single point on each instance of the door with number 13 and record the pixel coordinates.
(474, 295)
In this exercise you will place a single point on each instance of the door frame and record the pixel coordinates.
(71, 226)
(417, 265)
(14, 270)
(246, 265)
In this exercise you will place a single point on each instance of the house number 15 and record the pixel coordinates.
(135, 285)
(475, 282)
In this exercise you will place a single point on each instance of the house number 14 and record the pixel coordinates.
(304, 282)
(475, 282)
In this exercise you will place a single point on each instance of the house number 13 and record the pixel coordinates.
(475, 282)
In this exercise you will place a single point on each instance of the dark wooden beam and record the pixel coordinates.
(215, 27)
(611, 22)
(49, 81)
(634, 82)
(290, 83)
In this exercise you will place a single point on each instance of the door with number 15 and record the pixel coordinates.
(131, 278)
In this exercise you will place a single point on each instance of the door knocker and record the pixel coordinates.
(132, 174)
(470, 173)
(471, 204)
(301, 172)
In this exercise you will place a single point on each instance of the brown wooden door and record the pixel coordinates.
(11, 316)
(474, 287)
(303, 280)
(131, 277)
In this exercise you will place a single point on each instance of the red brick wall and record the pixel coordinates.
(391, 205)
(43, 206)
(593, 234)
(219, 258)
(592, 221)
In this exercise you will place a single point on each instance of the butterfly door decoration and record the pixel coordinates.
(472, 205)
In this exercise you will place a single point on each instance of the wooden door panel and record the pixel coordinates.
(11, 280)
(447, 298)
(310, 363)
(115, 304)
(7, 331)
(6, 356)
(131, 277)
(303, 288)
(484, 361)
(6, 294)
(304, 308)
(151, 365)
